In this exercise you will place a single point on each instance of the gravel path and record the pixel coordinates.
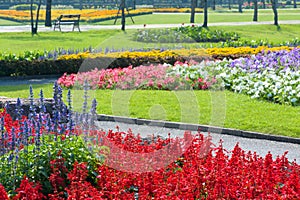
(27, 28)
(27, 80)
(261, 147)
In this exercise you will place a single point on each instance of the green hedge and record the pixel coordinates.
(49, 67)
(27, 68)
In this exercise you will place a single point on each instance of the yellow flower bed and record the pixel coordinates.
(74, 56)
(85, 15)
(180, 52)
(177, 10)
(243, 50)
(126, 54)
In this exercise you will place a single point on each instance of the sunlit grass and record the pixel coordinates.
(203, 107)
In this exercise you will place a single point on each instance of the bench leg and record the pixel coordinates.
(77, 26)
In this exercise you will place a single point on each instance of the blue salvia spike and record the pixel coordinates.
(70, 121)
(32, 107)
(55, 105)
(26, 134)
(85, 96)
(19, 109)
(49, 127)
(38, 135)
(69, 100)
(93, 112)
(13, 139)
(42, 104)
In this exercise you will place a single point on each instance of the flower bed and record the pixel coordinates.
(162, 77)
(86, 15)
(69, 61)
(274, 76)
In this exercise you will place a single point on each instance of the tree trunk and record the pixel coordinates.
(123, 15)
(38, 14)
(193, 7)
(34, 27)
(213, 7)
(295, 3)
(264, 4)
(274, 8)
(240, 5)
(134, 4)
(31, 18)
(205, 14)
(48, 13)
(255, 11)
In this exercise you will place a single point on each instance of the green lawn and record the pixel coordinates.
(18, 42)
(241, 112)
(4, 22)
(246, 16)
(269, 32)
(213, 16)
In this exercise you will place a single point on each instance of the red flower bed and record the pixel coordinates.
(173, 168)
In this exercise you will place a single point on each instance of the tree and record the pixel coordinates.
(255, 11)
(123, 15)
(193, 7)
(213, 6)
(34, 26)
(229, 4)
(205, 13)
(48, 13)
(264, 4)
(274, 8)
(240, 5)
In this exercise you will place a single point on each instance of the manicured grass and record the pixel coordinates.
(246, 16)
(242, 112)
(267, 32)
(18, 42)
(4, 22)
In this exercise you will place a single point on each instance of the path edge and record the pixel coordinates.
(198, 127)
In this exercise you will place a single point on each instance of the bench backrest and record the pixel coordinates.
(68, 18)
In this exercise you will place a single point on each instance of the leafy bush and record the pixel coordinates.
(29, 143)
(182, 34)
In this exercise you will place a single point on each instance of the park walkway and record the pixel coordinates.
(42, 28)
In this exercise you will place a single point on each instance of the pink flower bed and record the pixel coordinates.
(142, 77)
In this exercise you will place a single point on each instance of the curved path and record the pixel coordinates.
(261, 146)
(27, 28)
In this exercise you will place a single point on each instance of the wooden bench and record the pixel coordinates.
(67, 20)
